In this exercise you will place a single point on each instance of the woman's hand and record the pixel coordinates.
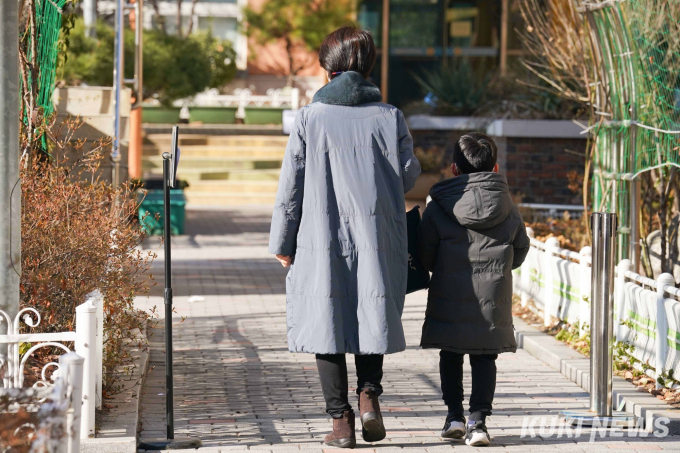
(284, 260)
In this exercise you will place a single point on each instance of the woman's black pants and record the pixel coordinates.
(334, 383)
(483, 383)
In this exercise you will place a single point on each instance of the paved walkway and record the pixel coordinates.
(238, 388)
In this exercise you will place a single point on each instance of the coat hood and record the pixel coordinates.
(349, 88)
(476, 201)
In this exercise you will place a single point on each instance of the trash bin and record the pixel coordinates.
(151, 206)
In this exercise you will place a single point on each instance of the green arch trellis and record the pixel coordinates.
(48, 20)
(637, 52)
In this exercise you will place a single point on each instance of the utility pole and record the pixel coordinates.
(118, 81)
(10, 187)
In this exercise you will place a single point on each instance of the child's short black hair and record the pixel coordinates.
(474, 152)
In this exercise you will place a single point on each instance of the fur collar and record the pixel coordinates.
(349, 88)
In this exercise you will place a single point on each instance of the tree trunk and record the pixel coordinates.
(291, 71)
(178, 20)
(665, 191)
(159, 18)
(191, 18)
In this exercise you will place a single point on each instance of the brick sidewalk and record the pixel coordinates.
(238, 388)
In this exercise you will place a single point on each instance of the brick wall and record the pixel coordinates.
(536, 168)
(435, 138)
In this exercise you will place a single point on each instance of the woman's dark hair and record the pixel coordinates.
(348, 49)
(474, 152)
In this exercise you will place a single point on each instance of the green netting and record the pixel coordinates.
(48, 19)
(636, 48)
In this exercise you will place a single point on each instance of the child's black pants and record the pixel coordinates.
(483, 383)
(333, 373)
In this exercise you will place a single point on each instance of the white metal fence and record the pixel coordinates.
(242, 98)
(558, 283)
(88, 339)
(49, 416)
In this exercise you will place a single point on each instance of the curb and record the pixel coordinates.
(576, 367)
(121, 430)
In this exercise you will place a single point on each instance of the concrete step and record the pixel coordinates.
(214, 163)
(273, 130)
(233, 187)
(269, 152)
(208, 199)
(194, 174)
(163, 141)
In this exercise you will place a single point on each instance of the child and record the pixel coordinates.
(471, 238)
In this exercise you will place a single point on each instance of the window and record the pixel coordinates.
(221, 27)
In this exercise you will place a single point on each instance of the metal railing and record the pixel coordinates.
(646, 311)
(50, 415)
(543, 211)
(88, 340)
(241, 98)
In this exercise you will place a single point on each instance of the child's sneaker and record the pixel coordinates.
(454, 427)
(477, 435)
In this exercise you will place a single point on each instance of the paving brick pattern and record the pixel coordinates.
(238, 388)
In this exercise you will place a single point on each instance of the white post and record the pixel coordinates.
(71, 371)
(584, 287)
(295, 98)
(96, 300)
(551, 298)
(243, 96)
(525, 275)
(86, 341)
(620, 296)
(661, 323)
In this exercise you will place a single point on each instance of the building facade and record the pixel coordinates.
(424, 35)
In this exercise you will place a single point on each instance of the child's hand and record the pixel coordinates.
(284, 260)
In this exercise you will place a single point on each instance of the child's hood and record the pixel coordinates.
(476, 201)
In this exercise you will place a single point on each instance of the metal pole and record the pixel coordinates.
(10, 188)
(602, 338)
(595, 302)
(385, 50)
(170, 443)
(167, 236)
(601, 413)
(135, 144)
(118, 76)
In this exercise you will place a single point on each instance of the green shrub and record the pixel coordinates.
(174, 67)
(458, 89)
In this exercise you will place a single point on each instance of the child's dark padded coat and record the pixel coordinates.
(471, 238)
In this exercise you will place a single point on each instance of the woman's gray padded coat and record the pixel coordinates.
(471, 238)
(340, 213)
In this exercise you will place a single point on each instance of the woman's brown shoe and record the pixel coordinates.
(372, 427)
(343, 435)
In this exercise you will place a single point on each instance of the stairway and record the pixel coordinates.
(221, 169)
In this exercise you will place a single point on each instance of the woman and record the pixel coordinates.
(339, 222)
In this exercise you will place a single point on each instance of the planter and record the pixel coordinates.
(263, 115)
(150, 211)
(423, 184)
(213, 115)
(160, 115)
